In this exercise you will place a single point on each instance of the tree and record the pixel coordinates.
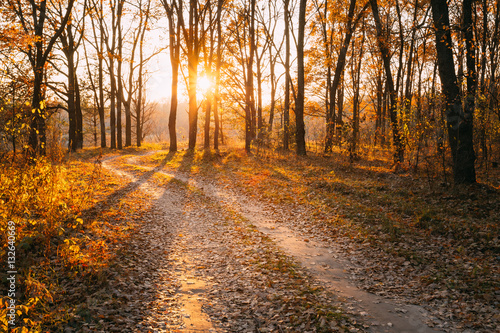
(331, 120)
(70, 40)
(386, 60)
(299, 104)
(172, 10)
(193, 36)
(356, 82)
(249, 88)
(218, 65)
(459, 119)
(96, 11)
(286, 111)
(32, 17)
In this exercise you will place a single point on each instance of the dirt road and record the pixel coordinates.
(210, 259)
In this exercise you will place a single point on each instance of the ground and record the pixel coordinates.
(225, 242)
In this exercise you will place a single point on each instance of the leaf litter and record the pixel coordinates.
(252, 286)
(182, 236)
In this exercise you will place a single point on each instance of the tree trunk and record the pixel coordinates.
(272, 78)
(217, 75)
(78, 114)
(72, 142)
(208, 114)
(385, 54)
(102, 116)
(250, 107)
(299, 105)
(286, 111)
(172, 118)
(459, 120)
(119, 95)
(378, 119)
(356, 77)
(339, 70)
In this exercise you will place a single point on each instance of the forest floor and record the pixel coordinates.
(225, 242)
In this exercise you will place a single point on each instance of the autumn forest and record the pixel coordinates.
(249, 166)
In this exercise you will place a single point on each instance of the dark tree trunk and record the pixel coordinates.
(249, 100)
(378, 119)
(356, 77)
(299, 105)
(72, 142)
(102, 116)
(459, 120)
(79, 115)
(119, 88)
(286, 111)
(37, 139)
(208, 114)
(272, 78)
(172, 118)
(174, 27)
(339, 70)
(217, 75)
(385, 54)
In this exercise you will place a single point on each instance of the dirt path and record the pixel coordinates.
(219, 281)
(324, 262)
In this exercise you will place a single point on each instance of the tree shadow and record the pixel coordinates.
(126, 189)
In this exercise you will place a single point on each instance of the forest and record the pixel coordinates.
(249, 166)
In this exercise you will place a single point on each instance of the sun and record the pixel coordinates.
(204, 84)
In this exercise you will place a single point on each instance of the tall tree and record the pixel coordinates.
(286, 111)
(249, 87)
(172, 8)
(356, 82)
(386, 60)
(218, 65)
(193, 36)
(96, 11)
(459, 119)
(32, 17)
(70, 40)
(208, 52)
(299, 104)
(339, 70)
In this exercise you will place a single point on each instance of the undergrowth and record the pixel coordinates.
(56, 241)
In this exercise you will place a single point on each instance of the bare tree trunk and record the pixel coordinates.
(272, 79)
(385, 54)
(79, 115)
(459, 120)
(299, 105)
(286, 111)
(174, 12)
(209, 56)
(119, 92)
(38, 55)
(356, 77)
(102, 116)
(339, 70)
(249, 107)
(378, 119)
(217, 75)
